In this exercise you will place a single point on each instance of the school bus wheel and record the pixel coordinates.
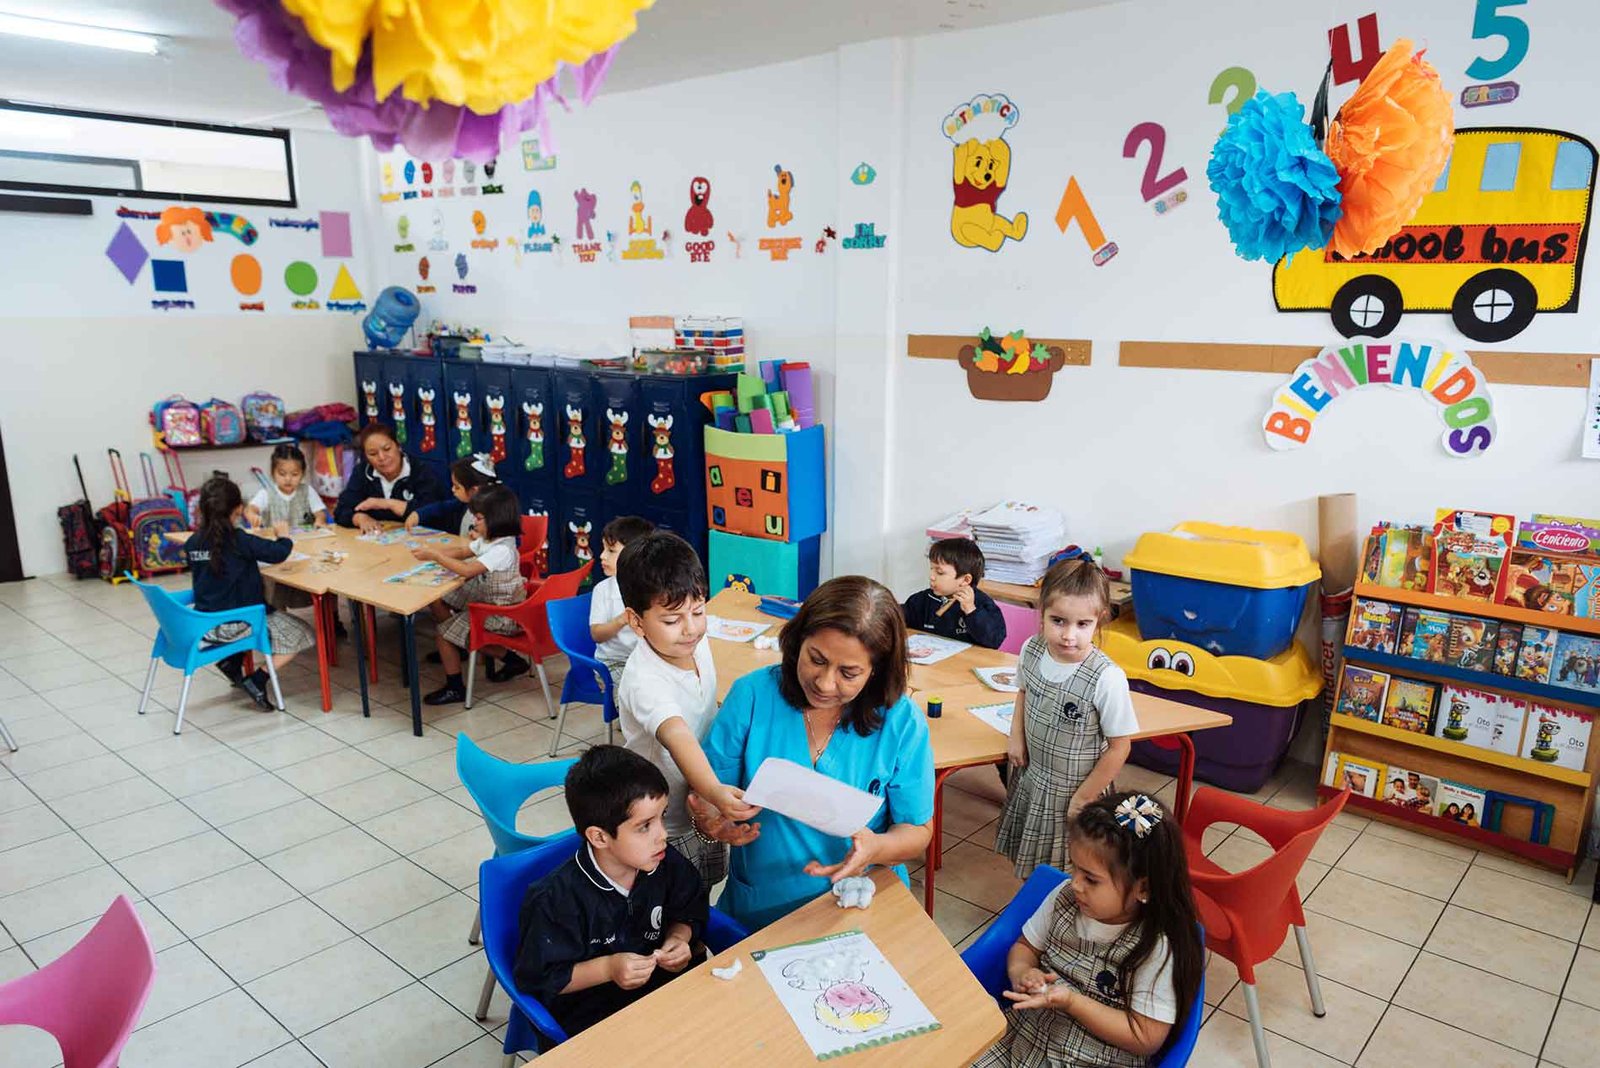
(1368, 306)
(1494, 305)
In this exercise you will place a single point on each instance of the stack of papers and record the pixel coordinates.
(1017, 540)
(958, 525)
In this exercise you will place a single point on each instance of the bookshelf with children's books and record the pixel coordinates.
(1461, 710)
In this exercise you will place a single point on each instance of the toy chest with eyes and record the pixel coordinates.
(1232, 591)
(1265, 697)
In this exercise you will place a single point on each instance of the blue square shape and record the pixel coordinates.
(170, 276)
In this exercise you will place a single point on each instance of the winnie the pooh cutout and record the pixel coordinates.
(981, 168)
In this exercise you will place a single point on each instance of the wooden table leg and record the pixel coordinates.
(319, 609)
(357, 617)
(409, 628)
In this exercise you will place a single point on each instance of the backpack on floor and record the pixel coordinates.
(221, 423)
(263, 417)
(176, 422)
(116, 541)
(150, 518)
(80, 532)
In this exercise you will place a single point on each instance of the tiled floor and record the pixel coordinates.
(309, 879)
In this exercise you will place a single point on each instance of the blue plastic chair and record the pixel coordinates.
(181, 641)
(502, 884)
(986, 960)
(588, 681)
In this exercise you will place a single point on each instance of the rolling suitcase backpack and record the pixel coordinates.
(80, 532)
(150, 518)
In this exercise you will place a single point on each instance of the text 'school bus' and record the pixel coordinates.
(1499, 238)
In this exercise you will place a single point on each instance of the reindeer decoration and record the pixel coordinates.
(661, 449)
(497, 426)
(463, 424)
(430, 440)
(534, 414)
(397, 411)
(617, 445)
(575, 444)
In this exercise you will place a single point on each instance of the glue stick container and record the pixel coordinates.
(935, 707)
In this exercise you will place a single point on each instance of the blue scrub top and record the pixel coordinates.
(766, 879)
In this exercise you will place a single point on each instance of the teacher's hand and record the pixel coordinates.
(713, 824)
(364, 522)
(864, 846)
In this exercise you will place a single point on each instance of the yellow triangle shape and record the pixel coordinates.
(344, 287)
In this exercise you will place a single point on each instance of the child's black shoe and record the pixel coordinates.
(232, 668)
(511, 667)
(453, 692)
(256, 686)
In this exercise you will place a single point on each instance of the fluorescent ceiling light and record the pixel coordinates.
(75, 33)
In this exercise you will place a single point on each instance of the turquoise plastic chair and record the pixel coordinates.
(588, 681)
(502, 884)
(181, 641)
(986, 960)
(500, 788)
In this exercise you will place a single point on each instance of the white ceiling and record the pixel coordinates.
(201, 76)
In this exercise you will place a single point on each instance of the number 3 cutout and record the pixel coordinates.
(1240, 80)
(1151, 186)
(1487, 21)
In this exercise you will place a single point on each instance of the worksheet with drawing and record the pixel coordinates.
(843, 994)
(814, 799)
(931, 648)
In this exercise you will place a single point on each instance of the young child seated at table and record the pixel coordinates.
(608, 617)
(619, 919)
(668, 694)
(1112, 959)
(952, 606)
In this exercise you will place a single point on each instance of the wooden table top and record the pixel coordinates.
(1028, 596)
(748, 1025)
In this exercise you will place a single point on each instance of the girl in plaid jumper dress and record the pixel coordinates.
(1074, 716)
(489, 565)
(1112, 959)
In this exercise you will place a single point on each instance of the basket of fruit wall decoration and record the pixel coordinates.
(1010, 368)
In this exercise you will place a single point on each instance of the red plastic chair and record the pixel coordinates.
(89, 999)
(535, 641)
(535, 528)
(1248, 914)
(1185, 746)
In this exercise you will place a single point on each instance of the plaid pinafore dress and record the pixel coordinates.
(1062, 727)
(1044, 1038)
(491, 587)
(298, 511)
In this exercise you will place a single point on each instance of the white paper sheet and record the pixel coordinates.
(1591, 415)
(931, 648)
(733, 630)
(814, 799)
(843, 994)
(997, 716)
(1003, 679)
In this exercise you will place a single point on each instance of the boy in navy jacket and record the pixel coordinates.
(621, 917)
(953, 606)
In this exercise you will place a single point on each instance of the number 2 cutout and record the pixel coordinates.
(1238, 79)
(1154, 133)
(1487, 21)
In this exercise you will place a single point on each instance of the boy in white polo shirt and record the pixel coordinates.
(608, 619)
(668, 694)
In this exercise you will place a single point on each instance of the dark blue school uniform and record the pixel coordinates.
(417, 487)
(576, 914)
(237, 584)
(984, 626)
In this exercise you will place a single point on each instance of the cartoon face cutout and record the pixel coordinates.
(699, 191)
(448, 169)
(469, 171)
(478, 223)
(411, 172)
(404, 226)
(422, 268)
(535, 213)
(183, 228)
(427, 174)
(461, 265)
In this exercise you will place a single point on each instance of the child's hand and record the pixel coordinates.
(1032, 981)
(732, 805)
(630, 971)
(364, 522)
(425, 553)
(1017, 752)
(1054, 996)
(252, 516)
(1075, 805)
(412, 520)
(966, 600)
(281, 528)
(374, 504)
(673, 954)
(713, 825)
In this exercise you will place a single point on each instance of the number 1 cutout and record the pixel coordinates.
(1074, 206)
(1345, 67)
(1155, 135)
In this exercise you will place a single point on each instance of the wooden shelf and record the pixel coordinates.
(1559, 859)
(1584, 700)
(1578, 779)
(1506, 612)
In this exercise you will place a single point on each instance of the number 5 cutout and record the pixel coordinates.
(1487, 21)
(1150, 186)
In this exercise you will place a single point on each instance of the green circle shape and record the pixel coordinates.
(301, 278)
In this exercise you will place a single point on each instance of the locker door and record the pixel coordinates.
(496, 426)
(616, 400)
(369, 386)
(668, 436)
(462, 409)
(688, 526)
(537, 497)
(427, 433)
(580, 452)
(397, 400)
(530, 414)
(582, 517)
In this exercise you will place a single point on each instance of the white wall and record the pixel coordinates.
(86, 355)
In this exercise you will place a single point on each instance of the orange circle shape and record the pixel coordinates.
(246, 274)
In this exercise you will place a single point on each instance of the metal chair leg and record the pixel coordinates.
(1309, 963)
(561, 723)
(277, 690)
(1257, 1033)
(510, 1061)
(476, 936)
(5, 736)
(544, 684)
(183, 702)
(483, 998)
(472, 673)
(149, 684)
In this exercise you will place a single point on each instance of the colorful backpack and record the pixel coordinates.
(221, 423)
(263, 416)
(177, 423)
(150, 518)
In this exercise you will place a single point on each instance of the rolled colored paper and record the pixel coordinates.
(1389, 142)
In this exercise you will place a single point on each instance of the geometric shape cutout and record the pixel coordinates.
(344, 287)
(127, 252)
(719, 516)
(301, 278)
(1574, 164)
(169, 276)
(335, 229)
(1500, 167)
(245, 270)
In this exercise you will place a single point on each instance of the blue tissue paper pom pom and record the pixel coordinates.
(1277, 191)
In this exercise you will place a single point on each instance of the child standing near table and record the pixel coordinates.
(614, 640)
(1074, 715)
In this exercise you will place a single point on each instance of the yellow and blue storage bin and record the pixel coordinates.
(1232, 591)
(1265, 697)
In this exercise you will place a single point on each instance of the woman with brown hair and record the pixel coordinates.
(388, 484)
(837, 703)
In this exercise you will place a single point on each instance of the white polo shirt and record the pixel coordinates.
(651, 692)
(605, 604)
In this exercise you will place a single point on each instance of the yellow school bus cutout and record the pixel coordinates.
(1500, 238)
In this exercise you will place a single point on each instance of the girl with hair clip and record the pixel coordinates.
(468, 476)
(1112, 958)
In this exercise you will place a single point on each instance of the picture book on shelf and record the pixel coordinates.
(1410, 789)
(1469, 553)
(1364, 777)
(1555, 566)
(1375, 625)
(1479, 717)
(1506, 644)
(1425, 635)
(1536, 654)
(1330, 768)
(1576, 662)
(1460, 803)
(1361, 692)
(1409, 704)
(1398, 556)
(1558, 736)
(1470, 644)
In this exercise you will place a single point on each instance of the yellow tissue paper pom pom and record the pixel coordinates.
(478, 54)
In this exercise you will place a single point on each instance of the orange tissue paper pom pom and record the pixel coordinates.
(1389, 142)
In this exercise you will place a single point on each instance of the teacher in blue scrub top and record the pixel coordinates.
(837, 703)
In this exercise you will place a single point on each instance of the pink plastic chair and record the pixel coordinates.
(90, 998)
(1022, 623)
